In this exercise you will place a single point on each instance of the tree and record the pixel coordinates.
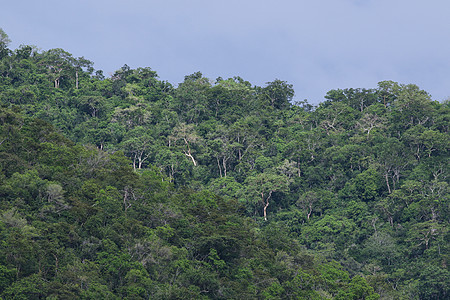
(307, 202)
(80, 63)
(358, 99)
(6, 277)
(137, 144)
(4, 42)
(289, 168)
(245, 138)
(279, 93)
(226, 187)
(381, 246)
(31, 287)
(220, 141)
(134, 115)
(55, 199)
(433, 282)
(365, 186)
(388, 91)
(336, 117)
(263, 185)
(231, 99)
(422, 234)
(370, 122)
(392, 160)
(187, 135)
(92, 104)
(411, 107)
(59, 64)
(191, 99)
(358, 289)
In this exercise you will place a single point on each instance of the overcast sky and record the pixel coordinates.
(317, 45)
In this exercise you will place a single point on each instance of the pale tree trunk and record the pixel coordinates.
(141, 159)
(56, 263)
(239, 150)
(172, 172)
(188, 154)
(134, 162)
(218, 165)
(126, 198)
(433, 214)
(387, 182)
(266, 204)
(265, 210)
(310, 211)
(224, 163)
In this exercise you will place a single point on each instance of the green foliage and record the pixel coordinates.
(358, 289)
(366, 186)
(130, 188)
(7, 276)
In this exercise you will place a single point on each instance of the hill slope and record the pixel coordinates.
(216, 189)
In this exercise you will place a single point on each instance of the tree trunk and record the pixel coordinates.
(172, 172)
(387, 182)
(218, 165)
(56, 263)
(224, 163)
(188, 154)
(265, 210)
(266, 204)
(134, 162)
(310, 211)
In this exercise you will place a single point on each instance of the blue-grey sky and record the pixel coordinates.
(317, 45)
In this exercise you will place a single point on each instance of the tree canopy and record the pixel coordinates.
(129, 187)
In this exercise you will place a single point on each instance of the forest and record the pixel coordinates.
(130, 187)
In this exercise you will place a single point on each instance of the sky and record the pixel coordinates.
(316, 45)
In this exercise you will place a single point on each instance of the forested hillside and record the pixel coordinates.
(129, 187)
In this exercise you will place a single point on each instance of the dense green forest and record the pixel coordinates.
(129, 187)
